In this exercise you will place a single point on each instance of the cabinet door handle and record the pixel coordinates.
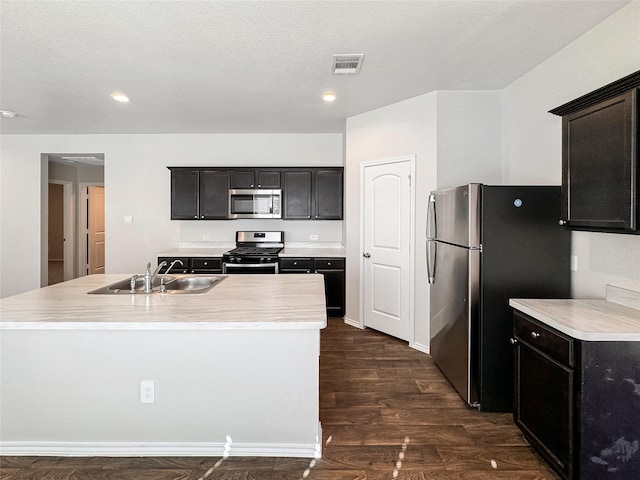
(513, 341)
(366, 255)
(562, 222)
(535, 335)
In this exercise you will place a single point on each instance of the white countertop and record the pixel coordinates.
(312, 252)
(238, 302)
(590, 320)
(195, 252)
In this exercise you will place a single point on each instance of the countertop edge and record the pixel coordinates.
(163, 326)
(577, 334)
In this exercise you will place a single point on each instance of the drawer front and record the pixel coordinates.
(206, 263)
(177, 268)
(296, 264)
(337, 263)
(547, 340)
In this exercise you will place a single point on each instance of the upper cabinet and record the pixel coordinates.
(309, 193)
(600, 174)
(313, 194)
(199, 194)
(250, 178)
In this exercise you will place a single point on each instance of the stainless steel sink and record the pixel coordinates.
(183, 284)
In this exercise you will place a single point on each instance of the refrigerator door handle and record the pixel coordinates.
(431, 218)
(432, 247)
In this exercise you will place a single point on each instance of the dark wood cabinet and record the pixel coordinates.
(578, 402)
(250, 178)
(328, 193)
(297, 195)
(198, 265)
(296, 265)
(543, 389)
(333, 270)
(314, 194)
(199, 194)
(185, 186)
(177, 268)
(600, 174)
(214, 195)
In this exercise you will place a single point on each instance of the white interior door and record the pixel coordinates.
(96, 235)
(387, 228)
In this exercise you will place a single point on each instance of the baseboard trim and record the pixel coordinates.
(353, 323)
(420, 347)
(156, 449)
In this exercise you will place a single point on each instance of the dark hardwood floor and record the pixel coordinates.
(386, 413)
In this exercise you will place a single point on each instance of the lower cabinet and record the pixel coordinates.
(578, 402)
(177, 268)
(333, 270)
(193, 264)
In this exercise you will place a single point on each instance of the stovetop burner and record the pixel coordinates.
(255, 247)
(254, 251)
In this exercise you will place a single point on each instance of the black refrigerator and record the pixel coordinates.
(486, 244)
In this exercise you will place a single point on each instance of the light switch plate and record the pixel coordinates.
(128, 219)
(574, 263)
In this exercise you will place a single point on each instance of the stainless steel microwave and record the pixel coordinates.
(255, 203)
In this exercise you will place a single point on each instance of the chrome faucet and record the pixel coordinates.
(134, 278)
(149, 277)
(162, 285)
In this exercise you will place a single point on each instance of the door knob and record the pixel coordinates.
(366, 255)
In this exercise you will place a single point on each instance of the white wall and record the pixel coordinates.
(455, 137)
(137, 183)
(469, 138)
(532, 138)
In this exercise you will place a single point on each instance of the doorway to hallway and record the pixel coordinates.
(65, 254)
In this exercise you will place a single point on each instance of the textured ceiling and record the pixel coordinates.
(245, 66)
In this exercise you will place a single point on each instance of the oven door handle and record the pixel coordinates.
(225, 266)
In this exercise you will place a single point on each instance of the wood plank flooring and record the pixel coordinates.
(386, 413)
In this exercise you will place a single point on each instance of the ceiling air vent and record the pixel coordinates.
(347, 64)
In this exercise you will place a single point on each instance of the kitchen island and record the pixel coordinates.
(235, 367)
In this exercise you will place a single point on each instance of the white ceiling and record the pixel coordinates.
(260, 67)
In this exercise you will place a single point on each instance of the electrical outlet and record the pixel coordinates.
(313, 237)
(147, 391)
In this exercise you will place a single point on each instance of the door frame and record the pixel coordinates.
(412, 235)
(83, 230)
(69, 219)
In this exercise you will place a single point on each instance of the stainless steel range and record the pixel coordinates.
(255, 252)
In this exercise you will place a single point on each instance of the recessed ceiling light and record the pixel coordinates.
(7, 113)
(329, 97)
(120, 97)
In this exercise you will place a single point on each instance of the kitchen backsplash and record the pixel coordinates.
(326, 231)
